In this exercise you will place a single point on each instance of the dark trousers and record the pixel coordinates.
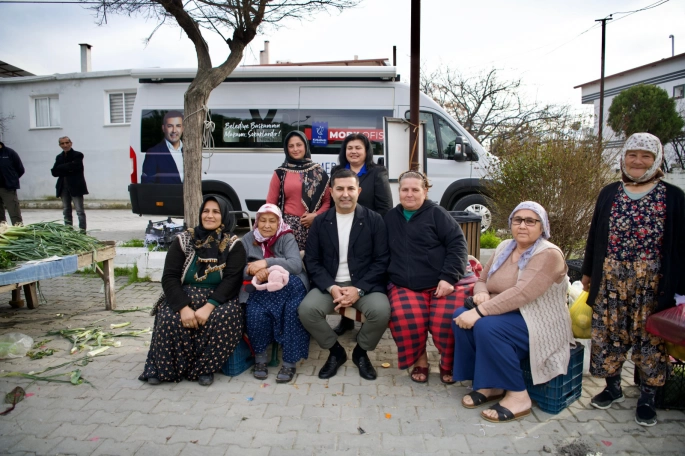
(67, 198)
(9, 201)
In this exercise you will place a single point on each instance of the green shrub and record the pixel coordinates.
(134, 243)
(489, 240)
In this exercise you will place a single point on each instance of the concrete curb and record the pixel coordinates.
(93, 204)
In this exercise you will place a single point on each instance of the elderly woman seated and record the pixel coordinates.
(520, 312)
(278, 285)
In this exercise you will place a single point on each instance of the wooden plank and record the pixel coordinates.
(16, 301)
(31, 295)
(107, 252)
(108, 277)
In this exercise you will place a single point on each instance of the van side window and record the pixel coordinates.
(449, 137)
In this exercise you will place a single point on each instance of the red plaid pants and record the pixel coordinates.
(414, 313)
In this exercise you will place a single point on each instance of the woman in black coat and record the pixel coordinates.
(356, 155)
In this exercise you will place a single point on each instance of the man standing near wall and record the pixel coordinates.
(71, 184)
(11, 170)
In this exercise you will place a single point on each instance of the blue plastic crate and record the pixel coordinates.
(560, 392)
(239, 361)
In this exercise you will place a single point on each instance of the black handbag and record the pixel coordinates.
(469, 304)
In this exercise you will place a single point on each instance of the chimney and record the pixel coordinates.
(356, 57)
(266, 53)
(85, 57)
(261, 57)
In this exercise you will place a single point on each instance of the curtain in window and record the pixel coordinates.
(42, 112)
(54, 112)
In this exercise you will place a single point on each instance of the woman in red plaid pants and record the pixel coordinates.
(428, 256)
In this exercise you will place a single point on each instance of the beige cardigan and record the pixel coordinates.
(544, 310)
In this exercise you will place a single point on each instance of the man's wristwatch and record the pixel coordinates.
(361, 292)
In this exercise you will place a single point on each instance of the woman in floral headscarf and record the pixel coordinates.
(299, 187)
(520, 312)
(634, 264)
(272, 312)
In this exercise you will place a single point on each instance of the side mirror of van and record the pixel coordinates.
(457, 147)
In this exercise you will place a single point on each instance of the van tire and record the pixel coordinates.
(477, 204)
(232, 218)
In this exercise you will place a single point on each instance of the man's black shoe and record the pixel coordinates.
(331, 367)
(346, 324)
(366, 369)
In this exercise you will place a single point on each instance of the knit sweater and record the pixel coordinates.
(287, 256)
(539, 293)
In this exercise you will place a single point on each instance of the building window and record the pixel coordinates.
(121, 107)
(46, 111)
(679, 91)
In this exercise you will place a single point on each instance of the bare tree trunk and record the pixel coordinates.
(194, 115)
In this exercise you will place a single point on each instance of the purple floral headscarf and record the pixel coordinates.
(525, 256)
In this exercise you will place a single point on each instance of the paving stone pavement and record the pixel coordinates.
(118, 415)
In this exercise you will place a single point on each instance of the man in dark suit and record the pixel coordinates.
(71, 184)
(11, 169)
(346, 257)
(159, 166)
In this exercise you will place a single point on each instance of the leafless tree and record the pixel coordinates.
(488, 106)
(4, 120)
(237, 22)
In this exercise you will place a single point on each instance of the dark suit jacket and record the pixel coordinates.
(159, 166)
(376, 194)
(68, 170)
(367, 255)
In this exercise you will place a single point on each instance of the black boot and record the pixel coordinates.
(612, 393)
(645, 414)
(346, 324)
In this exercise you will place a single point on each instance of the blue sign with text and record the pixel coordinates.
(319, 133)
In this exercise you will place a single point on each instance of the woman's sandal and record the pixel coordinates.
(285, 375)
(418, 370)
(446, 373)
(260, 371)
(504, 415)
(480, 399)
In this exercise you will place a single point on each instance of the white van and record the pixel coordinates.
(255, 108)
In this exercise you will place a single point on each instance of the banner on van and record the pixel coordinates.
(163, 163)
(338, 134)
(319, 134)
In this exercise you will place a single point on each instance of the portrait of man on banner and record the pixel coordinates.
(163, 162)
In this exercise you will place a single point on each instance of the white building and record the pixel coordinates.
(92, 108)
(669, 74)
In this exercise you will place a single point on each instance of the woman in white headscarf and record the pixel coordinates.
(275, 266)
(634, 265)
(520, 312)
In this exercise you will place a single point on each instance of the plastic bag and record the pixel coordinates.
(668, 324)
(676, 351)
(14, 345)
(581, 317)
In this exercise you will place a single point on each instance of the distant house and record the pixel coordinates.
(669, 74)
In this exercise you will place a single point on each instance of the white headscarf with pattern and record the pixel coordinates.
(648, 143)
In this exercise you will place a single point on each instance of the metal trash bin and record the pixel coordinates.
(470, 225)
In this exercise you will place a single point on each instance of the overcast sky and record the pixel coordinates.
(541, 41)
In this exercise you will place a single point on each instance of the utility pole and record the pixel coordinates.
(672, 45)
(601, 80)
(414, 75)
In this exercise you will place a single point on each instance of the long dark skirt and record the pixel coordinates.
(272, 316)
(299, 231)
(177, 352)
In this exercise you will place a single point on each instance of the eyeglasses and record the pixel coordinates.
(516, 221)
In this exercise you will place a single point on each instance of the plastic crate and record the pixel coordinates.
(672, 394)
(560, 392)
(240, 360)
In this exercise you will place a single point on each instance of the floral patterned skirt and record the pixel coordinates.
(177, 352)
(627, 296)
(299, 231)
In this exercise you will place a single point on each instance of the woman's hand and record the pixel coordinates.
(481, 297)
(202, 314)
(262, 275)
(467, 319)
(188, 318)
(585, 280)
(307, 219)
(443, 289)
(255, 266)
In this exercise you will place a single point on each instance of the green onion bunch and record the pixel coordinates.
(41, 240)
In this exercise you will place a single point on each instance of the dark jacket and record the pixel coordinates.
(68, 170)
(11, 168)
(672, 247)
(367, 255)
(428, 248)
(172, 280)
(159, 166)
(375, 194)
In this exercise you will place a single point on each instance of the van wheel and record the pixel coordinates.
(232, 218)
(478, 205)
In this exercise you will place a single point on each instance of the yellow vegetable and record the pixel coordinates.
(581, 317)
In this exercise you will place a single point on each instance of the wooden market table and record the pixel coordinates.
(105, 254)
